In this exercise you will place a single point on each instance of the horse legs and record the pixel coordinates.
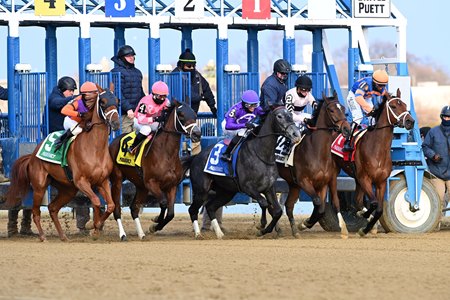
(337, 206)
(292, 198)
(105, 190)
(275, 208)
(135, 205)
(38, 194)
(84, 186)
(116, 191)
(170, 206)
(375, 206)
(53, 208)
(317, 202)
(222, 197)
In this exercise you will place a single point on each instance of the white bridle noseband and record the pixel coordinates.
(186, 129)
(397, 118)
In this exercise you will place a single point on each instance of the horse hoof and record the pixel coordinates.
(296, 235)
(344, 236)
(259, 227)
(155, 220)
(152, 228)
(89, 225)
(123, 238)
(302, 226)
(199, 237)
(220, 236)
(361, 233)
(360, 213)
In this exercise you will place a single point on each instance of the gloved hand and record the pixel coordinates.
(250, 125)
(157, 119)
(436, 158)
(130, 114)
(214, 112)
(154, 126)
(371, 113)
(308, 122)
(81, 114)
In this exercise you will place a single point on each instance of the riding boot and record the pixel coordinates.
(228, 154)
(63, 139)
(348, 147)
(83, 216)
(25, 225)
(137, 140)
(13, 215)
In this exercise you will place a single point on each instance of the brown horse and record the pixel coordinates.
(314, 168)
(161, 168)
(373, 164)
(88, 159)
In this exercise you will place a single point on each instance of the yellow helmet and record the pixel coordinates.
(380, 77)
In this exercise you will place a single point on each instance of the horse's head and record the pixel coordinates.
(397, 111)
(285, 124)
(107, 107)
(336, 114)
(186, 121)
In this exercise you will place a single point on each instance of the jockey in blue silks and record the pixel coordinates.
(362, 98)
(238, 120)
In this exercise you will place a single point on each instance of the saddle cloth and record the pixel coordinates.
(338, 144)
(126, 158)
(217, 166)
(47, 150)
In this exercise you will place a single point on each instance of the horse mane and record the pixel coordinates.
(315, 113)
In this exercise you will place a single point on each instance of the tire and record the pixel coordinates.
(397, 217)
(330, 221)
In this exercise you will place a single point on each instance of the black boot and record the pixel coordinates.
(25, 225)
(13, 215)
(348, 147)
(137, 140)
(63, 139)
(228, 154)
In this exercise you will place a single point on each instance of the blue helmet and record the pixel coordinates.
(250, 97)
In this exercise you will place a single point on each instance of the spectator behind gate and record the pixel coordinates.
(274, 87)
(13, 214)
(436, 147)
(130, 85)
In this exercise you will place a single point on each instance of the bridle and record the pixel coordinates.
(399, 117)
(106, 117)
(337, 122)
(283, 128)
(180, 128)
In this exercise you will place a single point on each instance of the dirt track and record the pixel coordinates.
(172, 265)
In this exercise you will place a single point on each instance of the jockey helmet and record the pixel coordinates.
(160, 90)
(303, 82)
(187, 57)
(282, 66)
(445, 111)
(88, 87)
(125, 50)
(380, 77)
(66, 83)
(250, 97)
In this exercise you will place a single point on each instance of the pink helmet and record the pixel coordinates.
(160, 88)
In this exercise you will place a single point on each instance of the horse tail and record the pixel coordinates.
(19, 181)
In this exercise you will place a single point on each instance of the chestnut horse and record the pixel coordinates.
(88, 159)
(314, 168)
(161, 170)
(373, 164)
(255, 168)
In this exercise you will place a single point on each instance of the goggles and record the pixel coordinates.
(251, 105)
(159, 97)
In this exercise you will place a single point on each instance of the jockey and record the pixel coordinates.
(297, 98)
(75, 109)
(238, 120)
(148, 112)
(359, 100)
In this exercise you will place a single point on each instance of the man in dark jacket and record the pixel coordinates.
(200, 89)
(436, 148)
(274, 87)
(13, 214)
(130, 84)
(60, 96)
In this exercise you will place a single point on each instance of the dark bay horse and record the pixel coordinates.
(161, 170)
(373, 164)
(256, 173)
(88, 159)
(314, 168)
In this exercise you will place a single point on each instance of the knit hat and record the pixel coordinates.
(187, 57)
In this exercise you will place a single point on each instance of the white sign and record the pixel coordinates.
(371, 8)
(189, 8)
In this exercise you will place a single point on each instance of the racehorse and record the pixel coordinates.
(373, 165)
(314, 168)
(161, 170)
(255, 168)
(88, 159)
